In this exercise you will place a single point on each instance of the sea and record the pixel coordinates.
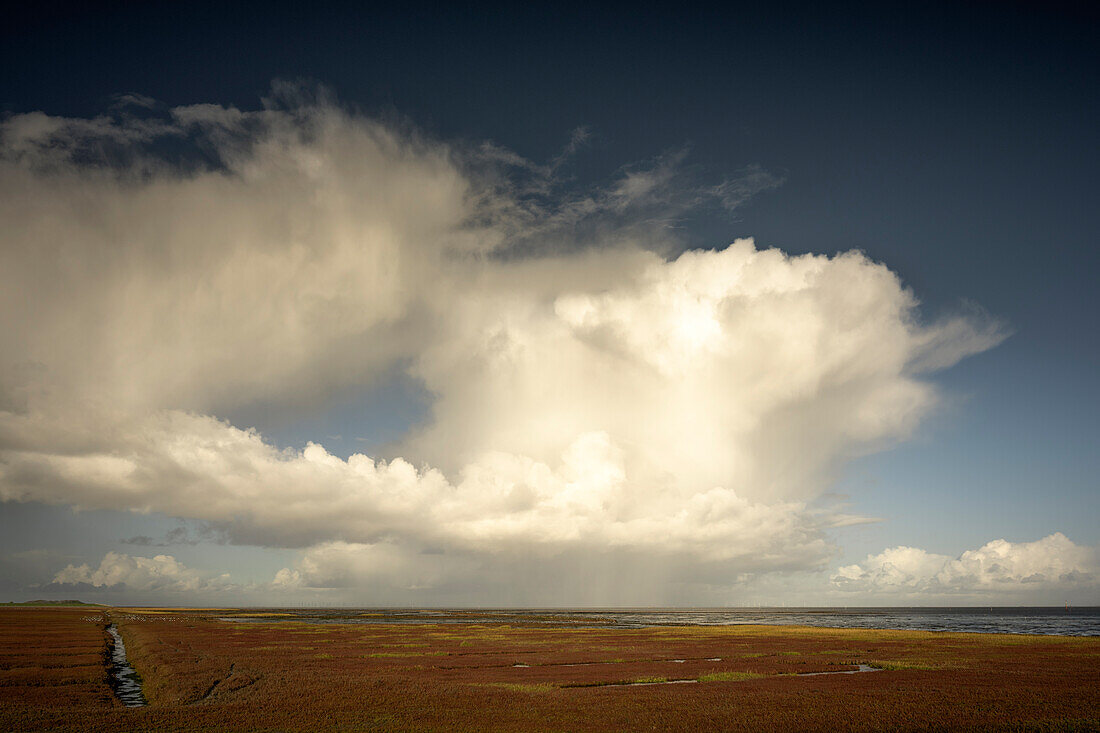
(1066, 621)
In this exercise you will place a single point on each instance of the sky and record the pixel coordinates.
(325, 305)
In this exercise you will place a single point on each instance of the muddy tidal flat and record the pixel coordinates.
(205, 669)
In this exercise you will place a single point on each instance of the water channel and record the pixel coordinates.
(123, 679)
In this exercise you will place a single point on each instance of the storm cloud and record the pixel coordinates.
(596, 391)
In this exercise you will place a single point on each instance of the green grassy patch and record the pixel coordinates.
(619, 683)
(730, 676)
(901, 665)
(539, 687)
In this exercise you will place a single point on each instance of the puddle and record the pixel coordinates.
(862, 668)
(124, 680)
(662, 682)
(521, 665)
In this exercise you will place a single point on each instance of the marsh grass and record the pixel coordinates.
(731, 676)
(536, 687)
(618, 683)
(407, 644)
(205, 675)
(902, 665)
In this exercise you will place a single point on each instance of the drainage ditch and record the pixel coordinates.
(124, 680)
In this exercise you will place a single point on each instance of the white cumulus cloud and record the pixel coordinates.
(1000, 568)
(162, 573)
(598, 400)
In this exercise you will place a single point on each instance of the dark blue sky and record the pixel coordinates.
(955, 142)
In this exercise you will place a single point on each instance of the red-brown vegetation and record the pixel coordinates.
(201, 673)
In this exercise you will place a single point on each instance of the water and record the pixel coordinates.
(124, 680)
(1083, 621)
(1008, 620)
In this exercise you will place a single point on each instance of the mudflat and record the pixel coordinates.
(272, 672)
